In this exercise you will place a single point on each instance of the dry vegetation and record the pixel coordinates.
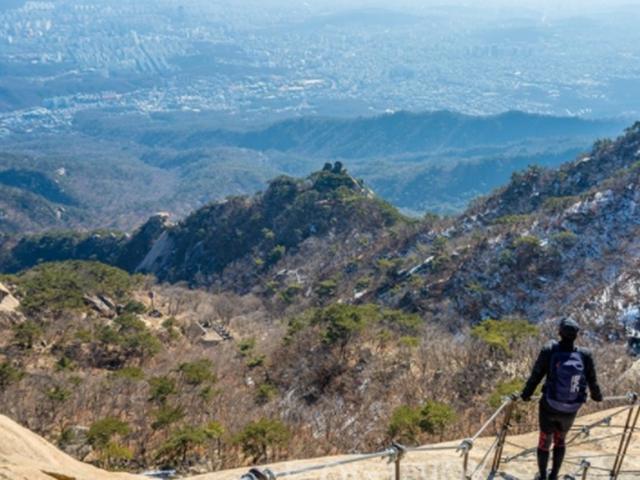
(343, 378)
(363, 329)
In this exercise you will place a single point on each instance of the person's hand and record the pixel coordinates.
(525, 398)
(596, 397)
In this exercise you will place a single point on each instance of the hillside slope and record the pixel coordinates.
(551, 242)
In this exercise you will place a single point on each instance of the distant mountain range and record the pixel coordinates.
(391, 135)
(115, 171)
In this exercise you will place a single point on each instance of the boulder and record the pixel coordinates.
(99, 305)
(8, 303)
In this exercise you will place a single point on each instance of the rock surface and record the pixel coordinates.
(25, 455)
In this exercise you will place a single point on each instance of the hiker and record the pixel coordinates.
(569, 370)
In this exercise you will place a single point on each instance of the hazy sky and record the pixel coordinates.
(574, 6)
(544, 8)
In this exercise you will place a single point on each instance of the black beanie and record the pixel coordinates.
(569, 329)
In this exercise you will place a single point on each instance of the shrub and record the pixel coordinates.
(409, 341)
(102, 431)
(504, 389)
(131, 335)
(339, 323)
(266, 392)
(271, 287)
(476, 287)
(558, 204)
(501, 335)
(64, 363)
(276, 254)
(130, 373)
(389, 266)
(327, 288)
(197, 372)
(404, 425)
(507, 258)
(256, 361)
(342, 322)
(439, 263)
(289, 293)
(181, 443)
(436, 417)
(161, 388)
(165, 416)
(114, 454)
(26, 334)
(527, 242)
(257, 438)
(511, 219)
(170, 326)
(401, 322)
(440, 244)
(432, 417)
(134, 307)
(363, 283)
(246, 346)
(566, 238)
(9, 374)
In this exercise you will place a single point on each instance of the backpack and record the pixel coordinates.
(566, 386)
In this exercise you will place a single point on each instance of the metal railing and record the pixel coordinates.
(397, 452)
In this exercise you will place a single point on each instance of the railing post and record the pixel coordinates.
(625, 441)
(465, 447)
(399, 452)
(585, 468)
(502, 437)
(257, 474)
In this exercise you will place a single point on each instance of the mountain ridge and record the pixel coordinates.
(106, 179)
(395, 133)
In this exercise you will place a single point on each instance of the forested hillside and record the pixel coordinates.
(322, 320)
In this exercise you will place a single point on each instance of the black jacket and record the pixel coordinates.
(541, 369)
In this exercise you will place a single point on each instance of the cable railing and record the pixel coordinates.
(494, 455)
